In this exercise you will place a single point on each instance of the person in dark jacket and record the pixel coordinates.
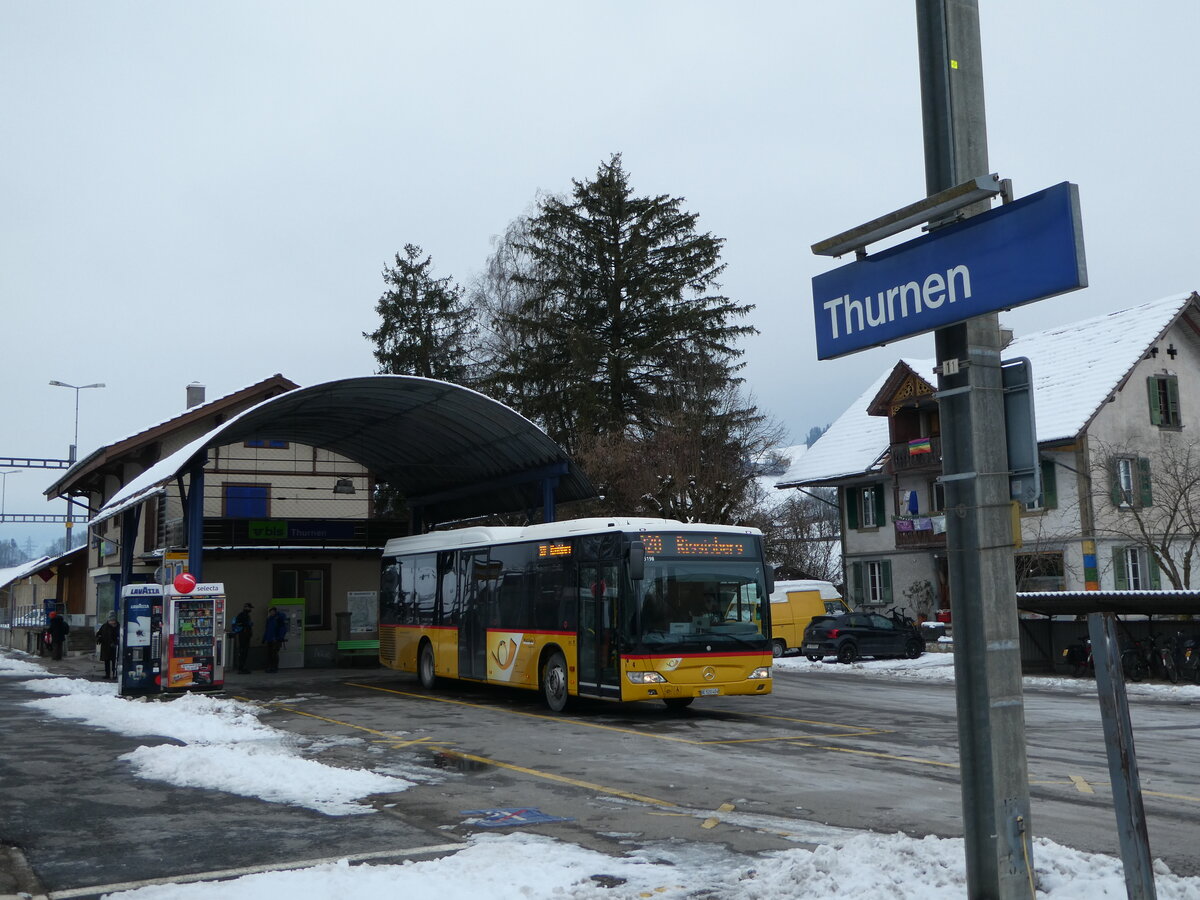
(59, 629)
(108, 636)
(243, 630)
(274, 635)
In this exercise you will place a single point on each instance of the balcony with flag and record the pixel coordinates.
(917, 453)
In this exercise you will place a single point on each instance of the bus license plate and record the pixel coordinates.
(709, 692)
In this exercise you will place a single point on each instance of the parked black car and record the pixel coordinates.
(856, 634)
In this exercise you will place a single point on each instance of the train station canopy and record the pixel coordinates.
(452, 452)
(1125, 603)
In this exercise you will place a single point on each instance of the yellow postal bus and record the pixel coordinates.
(618, 609)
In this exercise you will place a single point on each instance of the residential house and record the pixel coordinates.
(1117, 403)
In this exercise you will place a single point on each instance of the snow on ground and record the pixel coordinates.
(939, 666)
(242, 755)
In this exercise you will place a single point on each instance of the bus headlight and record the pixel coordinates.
(761, 672)
(645, 678)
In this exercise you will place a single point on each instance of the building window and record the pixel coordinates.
(937, 496)
(1134, 569)
(1164, 400)
(1040, 572)
(309, 583)
(1131, 482)
(244, 501)
(872, 582)
(1048, 498)
(266, 445)
(865, 506)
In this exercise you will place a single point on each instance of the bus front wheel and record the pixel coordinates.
(554, 682)
(425, 670)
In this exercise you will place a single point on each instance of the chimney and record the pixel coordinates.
(195, 394)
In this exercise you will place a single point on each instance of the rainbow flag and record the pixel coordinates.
(920, 445)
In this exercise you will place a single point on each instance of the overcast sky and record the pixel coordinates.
(209, 191)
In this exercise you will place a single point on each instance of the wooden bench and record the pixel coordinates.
(350, 650)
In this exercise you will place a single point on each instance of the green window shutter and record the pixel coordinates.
(880, 510)
(885, 576)
(1144, 481)
(1120, 579)
(851, 495)
(1152, 565)
(1049, 485)
(856, 577)
(1152, 393)
(1173, 400)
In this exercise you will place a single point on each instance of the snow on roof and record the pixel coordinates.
(1076, 368)
(852, 445)
(16, 573)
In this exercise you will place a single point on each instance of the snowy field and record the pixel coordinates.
(225, 740)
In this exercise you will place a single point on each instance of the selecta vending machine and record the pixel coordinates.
(173, 637)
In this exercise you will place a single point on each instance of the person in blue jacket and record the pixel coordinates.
(274, 636)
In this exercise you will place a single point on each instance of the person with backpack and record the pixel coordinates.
(242, 630)
(274, 635)
(58, 630)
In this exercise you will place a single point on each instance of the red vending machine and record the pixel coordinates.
(194, 627)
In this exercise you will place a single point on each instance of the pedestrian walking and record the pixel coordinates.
(242, 631)
(108, 636)
(274, 636)
(59, 629)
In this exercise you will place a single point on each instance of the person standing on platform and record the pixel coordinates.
(242, 631)
(274, 635)
(59, 629)
(108, 636)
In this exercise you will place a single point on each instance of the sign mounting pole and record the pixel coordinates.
(987, 657)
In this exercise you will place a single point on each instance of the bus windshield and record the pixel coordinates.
(708, 603)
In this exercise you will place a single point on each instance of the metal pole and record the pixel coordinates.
(1122, 761)
(987, 657)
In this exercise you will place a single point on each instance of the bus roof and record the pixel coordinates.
(486, 536)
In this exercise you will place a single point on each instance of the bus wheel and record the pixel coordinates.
(778, 648)
(554, 682)
(425, 671)
(677, 703)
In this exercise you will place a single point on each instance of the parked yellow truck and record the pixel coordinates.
(793, 605)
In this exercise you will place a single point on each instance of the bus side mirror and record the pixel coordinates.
(770, 573)
(637, 560)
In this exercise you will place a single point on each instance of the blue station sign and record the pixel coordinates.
(1023, 251)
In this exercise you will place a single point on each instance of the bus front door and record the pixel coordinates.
(472, 629)
(598, 670)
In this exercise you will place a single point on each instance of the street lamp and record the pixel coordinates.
(76, 389)
(4, 488)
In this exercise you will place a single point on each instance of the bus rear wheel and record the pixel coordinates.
(425, 670)
(554, 682)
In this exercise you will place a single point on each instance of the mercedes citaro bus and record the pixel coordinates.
(618, 609)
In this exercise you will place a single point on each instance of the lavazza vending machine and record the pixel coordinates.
(172, 640)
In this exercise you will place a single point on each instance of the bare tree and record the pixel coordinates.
(1151, 499)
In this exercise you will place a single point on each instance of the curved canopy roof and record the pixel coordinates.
(448, 449)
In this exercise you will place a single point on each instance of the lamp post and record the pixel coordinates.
(75, 443)
(4, 488)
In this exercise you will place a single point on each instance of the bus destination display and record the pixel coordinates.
(699, 545)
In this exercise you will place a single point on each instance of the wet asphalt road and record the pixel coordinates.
(740, 774)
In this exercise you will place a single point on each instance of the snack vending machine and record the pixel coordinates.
(194, 628)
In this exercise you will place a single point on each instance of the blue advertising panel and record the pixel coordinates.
(1023, 251)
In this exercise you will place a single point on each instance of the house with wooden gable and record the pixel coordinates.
(1117, 406)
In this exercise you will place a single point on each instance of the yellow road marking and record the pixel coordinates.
(619, 730)
(561, 779)
(1081, 784)
(714, 821)
(878, 754)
